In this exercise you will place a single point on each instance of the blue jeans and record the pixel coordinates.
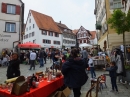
(93, 74)
(41, 62)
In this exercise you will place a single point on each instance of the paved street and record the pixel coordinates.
(123, 92)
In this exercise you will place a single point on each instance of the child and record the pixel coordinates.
(91, 66)
(112, 72)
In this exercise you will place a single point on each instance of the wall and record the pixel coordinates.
(7, 39)
(39, 37)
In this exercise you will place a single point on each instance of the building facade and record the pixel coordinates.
(42, 29)
(68, 37)
(93, 39)
(11, 23)
(83, 36)
(107, 37)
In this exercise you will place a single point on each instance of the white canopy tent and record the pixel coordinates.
(85, 45)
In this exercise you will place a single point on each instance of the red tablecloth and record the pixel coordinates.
(45, 89)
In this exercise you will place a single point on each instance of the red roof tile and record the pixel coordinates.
(75, 31)
(93, 33)
(45, 22)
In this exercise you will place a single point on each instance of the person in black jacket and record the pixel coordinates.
(74, 73)
(13, 69)
(112, 72)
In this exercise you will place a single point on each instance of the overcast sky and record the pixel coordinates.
(73, 13)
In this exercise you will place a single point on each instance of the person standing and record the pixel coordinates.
(91, 66)
(74, 73)
(32, 60)
(45, 56)
(113, 75)
(41, 56)
(13, 69)
(85, 56)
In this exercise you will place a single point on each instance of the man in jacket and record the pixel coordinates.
(41, 56)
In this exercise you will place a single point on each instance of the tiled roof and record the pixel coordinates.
(45, 22)
(93, 33)
(75, 31)
(62, 25)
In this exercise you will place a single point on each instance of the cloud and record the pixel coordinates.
(73, 13)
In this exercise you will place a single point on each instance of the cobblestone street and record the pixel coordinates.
(123, 91)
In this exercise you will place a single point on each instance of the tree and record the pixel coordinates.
(121, 23)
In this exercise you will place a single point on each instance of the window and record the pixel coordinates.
(32, 33)
(34, 41)
(44, 32)
(80, 41)
(46, 41)
(84, 34)
(27, 36)
(30, 28)
(117, 5)
(51, 34)
(29, 20)
(57, 42)
(11, 9)
(33, 25)
(10, 27)
(84, 41)
(24, 37)
(56, 35)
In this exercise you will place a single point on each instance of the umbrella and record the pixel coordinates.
(85, 45)
(29, 45)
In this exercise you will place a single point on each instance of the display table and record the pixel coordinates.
(44, 90)
(99, 62)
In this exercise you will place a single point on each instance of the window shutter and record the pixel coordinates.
(59, 42)
(4, 8)
(18, 9)
(48, 33)
(50, 41)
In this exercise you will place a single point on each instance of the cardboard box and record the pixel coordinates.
(64, 93)
(53, 94)
(20, 86)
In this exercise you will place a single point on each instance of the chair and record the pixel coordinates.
(94, 85)
(103, 81)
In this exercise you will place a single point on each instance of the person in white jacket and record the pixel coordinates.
(91, 66)
(32, 59)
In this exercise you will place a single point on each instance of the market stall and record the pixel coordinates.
(29, 45)
(99, 62)
(46, 86)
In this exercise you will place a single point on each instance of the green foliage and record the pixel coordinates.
(127, 67)
(119, 21)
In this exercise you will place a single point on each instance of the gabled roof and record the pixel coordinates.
(45, 22)
(93, 33)
(62, 25)
(75, 31)
(84, 28)
(21, 1)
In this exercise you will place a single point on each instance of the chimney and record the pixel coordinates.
(60, 22)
